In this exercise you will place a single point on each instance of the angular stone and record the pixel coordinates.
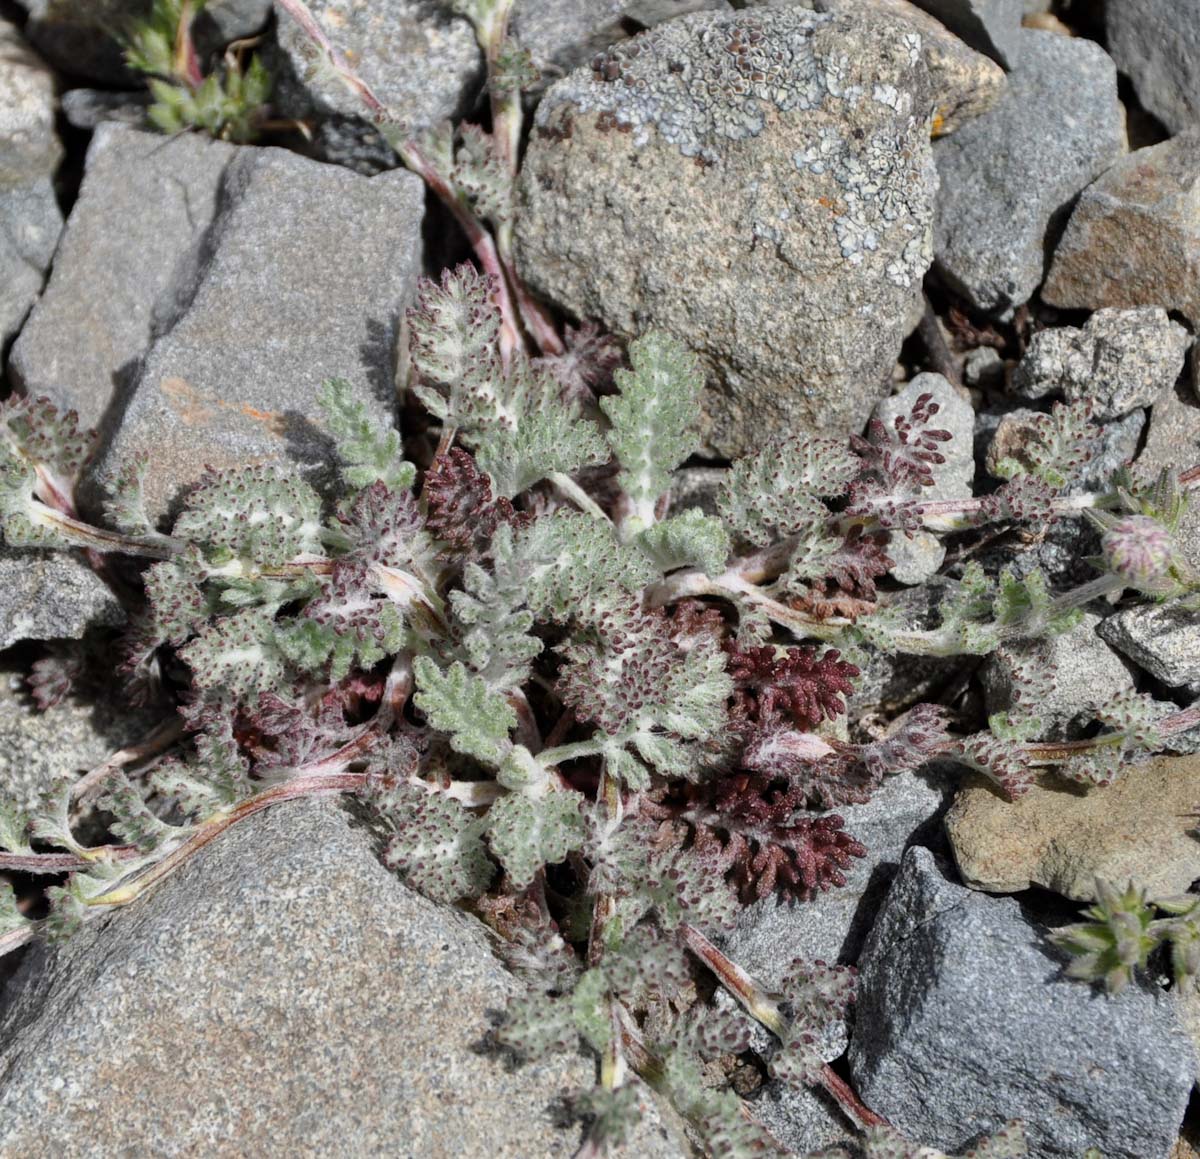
(1008, 175)
(1119, 361)
(919, 556)
(143, 209)
(1087, 674)
(563, 34)
(30, 221)
(421, 61)
(964, 1021)
(51, 595)
(1134, 237)
(1164, 639)
(90, 108)
(303, 276)
(1157, 44)
(30, 224)
(281, 994)
(685, 205)
(964, 83)
(29, 147)
(1058, 836)
(989, 26)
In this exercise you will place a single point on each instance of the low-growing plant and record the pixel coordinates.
(580, 710)
(602, 720)
(227, 101)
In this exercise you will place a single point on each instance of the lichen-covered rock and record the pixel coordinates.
(1085, 674)
(282, 994)
(1006, 175)
(1157, 43)
(1162, 639)
(1134, 237)
(1138, 829)
(759, 185)
(50, 595)
(143, 209)
(989, 26)
(30, 220)
(303, 276)
(964, 1020)
(964, 83)
(563, 34)
(919, 555)
(1120, 360)
(422, 61)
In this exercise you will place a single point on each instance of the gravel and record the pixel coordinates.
(1120, 360)
(1134, 237)
(1009, 175)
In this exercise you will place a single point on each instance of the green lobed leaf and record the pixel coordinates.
(460, 704)
(526, 833)
(369, 451)
(690, 539)
(547, 442)
(654, 417)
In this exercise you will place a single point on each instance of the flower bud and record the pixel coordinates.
(1141, 551)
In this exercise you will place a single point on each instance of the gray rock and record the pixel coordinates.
(697, 198)
(223, 21)
(72, 737)
(1164, 639)
(75, 35)
(989, 26)
(919, 556)
(30, 224)
(984, 368)
(144, 206)
(1008, 174)
(282, 994)
(802, 1119)
(1119, 361)
(90, 108)
(29, 147)
(1157, 43)
(30, 220)
(50, 595)
(1134, 237)
(563, 34)
(421, 61)
(303, 276)
(964, 1021)
(1087, 674)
